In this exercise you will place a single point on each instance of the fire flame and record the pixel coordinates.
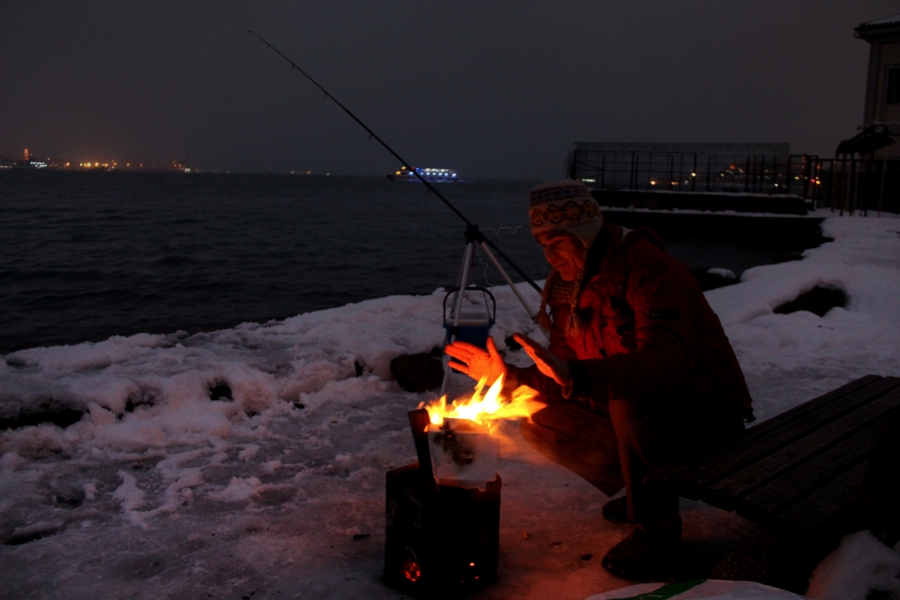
(488, 405)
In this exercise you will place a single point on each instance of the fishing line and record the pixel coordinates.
(472, 229)
(512, 230)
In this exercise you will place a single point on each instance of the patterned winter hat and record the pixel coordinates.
(566, 206)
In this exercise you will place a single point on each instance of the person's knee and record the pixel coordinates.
(640, 432)
(625, 420)
(621, 412)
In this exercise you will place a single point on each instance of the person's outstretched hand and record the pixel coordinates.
(477, 362)
(547, 363)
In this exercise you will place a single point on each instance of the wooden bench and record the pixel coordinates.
(799, 471)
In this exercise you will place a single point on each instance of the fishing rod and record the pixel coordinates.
(471, 228)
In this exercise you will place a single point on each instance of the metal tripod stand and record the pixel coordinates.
(473, 237)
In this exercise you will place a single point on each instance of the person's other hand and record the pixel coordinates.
(477, 362)
(547, 363)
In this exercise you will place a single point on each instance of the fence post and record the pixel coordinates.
(671, 167)
(747, 175)
(694, 174)
(603, 171)
(834, 192)
(774, 173)
(867, 175)
(632, 181)
(788, 171)
(817, 183)
(842, 196)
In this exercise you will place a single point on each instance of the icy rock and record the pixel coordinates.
(818, 300)
(417, 372)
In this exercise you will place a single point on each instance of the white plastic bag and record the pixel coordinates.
(711, 589)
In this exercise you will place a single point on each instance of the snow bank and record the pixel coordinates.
(789, 358)
(276, 488)
(859, 566)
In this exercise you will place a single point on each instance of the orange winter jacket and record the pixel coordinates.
(650, 333)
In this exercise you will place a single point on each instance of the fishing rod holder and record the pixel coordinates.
(473, 234)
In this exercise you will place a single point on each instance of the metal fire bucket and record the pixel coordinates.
(441, 541)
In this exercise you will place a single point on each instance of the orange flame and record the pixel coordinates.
(484, 406)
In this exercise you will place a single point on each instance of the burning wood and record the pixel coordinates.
(484, 407)
(463, 451)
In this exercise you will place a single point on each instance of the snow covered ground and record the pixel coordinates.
(160, 492)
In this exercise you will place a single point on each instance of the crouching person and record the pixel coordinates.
(638, 372)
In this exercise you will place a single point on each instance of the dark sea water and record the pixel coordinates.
(84, 256)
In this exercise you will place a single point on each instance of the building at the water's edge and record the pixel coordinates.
(881, 114)
(863, 173)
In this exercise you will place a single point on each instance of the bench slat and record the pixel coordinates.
(782, 431)
(681, 468)
(796, 453)
(815, 510)
(804, 479)
(813, 404)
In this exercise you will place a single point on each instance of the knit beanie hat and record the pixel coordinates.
(565, 206)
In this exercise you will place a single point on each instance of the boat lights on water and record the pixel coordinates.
(429, 174)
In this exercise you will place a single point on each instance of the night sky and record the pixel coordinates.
(493, 89)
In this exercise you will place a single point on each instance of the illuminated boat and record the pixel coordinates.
(428, 174)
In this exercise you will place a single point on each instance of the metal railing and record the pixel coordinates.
(850, 184)
(844, 183)
(692, 172)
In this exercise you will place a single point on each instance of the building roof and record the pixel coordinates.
(879, 27)
(893, 20)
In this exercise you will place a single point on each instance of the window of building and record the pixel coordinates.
(893, 85)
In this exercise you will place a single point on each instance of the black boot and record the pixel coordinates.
(650, 553)
(616, 510)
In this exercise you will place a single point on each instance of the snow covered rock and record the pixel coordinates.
(860, 565)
